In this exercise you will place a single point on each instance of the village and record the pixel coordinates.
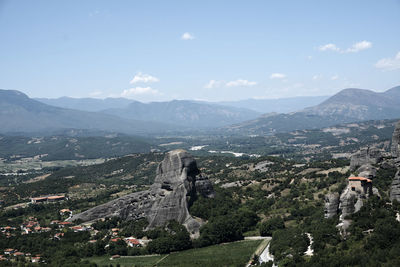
(57, 230)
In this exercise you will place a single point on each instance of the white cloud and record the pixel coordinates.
(143, 78)
(334, 77)
(389, 63)
(213, 84)
(139, 91)
(316, 77)
(240, 82)
(356, 47)
(359, 47)
(327, 47)
(187, 36)
(277, 76)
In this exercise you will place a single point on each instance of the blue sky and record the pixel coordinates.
(204, 50)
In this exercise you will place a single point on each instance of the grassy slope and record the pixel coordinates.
(230, 254)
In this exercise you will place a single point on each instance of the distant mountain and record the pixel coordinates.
(19, 113)
(86, 104)
(186, 113)
(349, 105)
(360, 104)
(280, 105)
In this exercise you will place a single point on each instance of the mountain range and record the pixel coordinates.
(186, 113)
(183, 113)
(279, 105)
(19, 113)
(261, 106)
(349, 105)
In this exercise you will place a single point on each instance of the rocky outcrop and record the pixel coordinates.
(396, 141)
(177, 183)
(204, 187)
(350, 201)
(331, 205)
(368, 155)
(367, 171)
(395, 188)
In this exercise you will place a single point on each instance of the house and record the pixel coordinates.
(9, 251)
(35, 200)
(78, 228)
(64, 224)
(35, 259)
(361, 185)
(19, 254)
(113, 257)
(58, 236)
(132, 242)
(64, 211)
(55, 198)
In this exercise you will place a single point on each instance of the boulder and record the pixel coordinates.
(176, 184)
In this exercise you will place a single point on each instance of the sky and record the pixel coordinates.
(201, 50)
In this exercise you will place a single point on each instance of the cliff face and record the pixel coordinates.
(331, 205)
(395, 187)
(396, 142)
(351, 201)
(177, 182)
(368, 155)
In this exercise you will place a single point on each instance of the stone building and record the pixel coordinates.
(361, 185)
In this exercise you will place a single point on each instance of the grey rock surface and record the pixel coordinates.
(352, 201)
(367, 171)
(331, 205)
(204, 187)
(396, 141)
(368, 155)
(395, 188)
(177, 182)
(347, 202)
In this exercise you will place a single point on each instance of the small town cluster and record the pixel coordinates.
(58, 228)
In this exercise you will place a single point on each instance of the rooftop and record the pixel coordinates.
(360, 179)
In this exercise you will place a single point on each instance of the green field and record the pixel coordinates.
(126, 261)
(230, 254)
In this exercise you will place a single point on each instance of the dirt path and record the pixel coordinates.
(161, 260)
(261, 247)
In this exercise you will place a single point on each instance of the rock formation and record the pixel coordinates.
(331, 205)
(368, 155)
(351, 201)
(396, 141)
(395, 186)
(177, 183)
